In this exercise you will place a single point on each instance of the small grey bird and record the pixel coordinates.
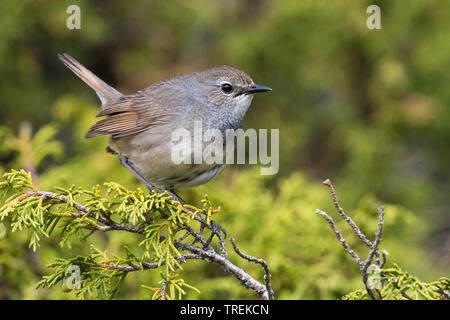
(140, 124)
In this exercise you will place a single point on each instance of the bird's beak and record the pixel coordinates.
(255, 88)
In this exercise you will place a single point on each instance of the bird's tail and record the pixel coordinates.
(105, 92)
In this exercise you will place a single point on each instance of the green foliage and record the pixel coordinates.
(96, 281)
(42, 212)
(31, 149)
(173, 285)
(397, 284)
(159, 218)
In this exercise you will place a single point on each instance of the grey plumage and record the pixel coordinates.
(140, 124)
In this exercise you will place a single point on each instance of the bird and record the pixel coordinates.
(139, 125)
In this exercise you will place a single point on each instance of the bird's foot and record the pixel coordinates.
(216, 230)
(126, 163)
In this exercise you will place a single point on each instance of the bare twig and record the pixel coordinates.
(374, 250)
(263, 263)
(109, 224)
(349, 220)
(147, 265)
(211, 256)
(376, 243)
(340, 237)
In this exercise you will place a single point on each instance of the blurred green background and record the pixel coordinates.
(368, 109)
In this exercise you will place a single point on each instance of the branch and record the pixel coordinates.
(374, 251)
(376, 243)
(109, 224)
(211, 256)
(146, 265)
(263, 263)
(349, 220)
(340, 237)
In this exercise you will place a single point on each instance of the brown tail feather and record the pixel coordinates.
(106, 93)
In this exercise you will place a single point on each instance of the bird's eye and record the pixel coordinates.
(226, 87)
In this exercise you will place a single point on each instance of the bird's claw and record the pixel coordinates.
(216, 229)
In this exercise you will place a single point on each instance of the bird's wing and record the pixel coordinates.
(131, 114)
